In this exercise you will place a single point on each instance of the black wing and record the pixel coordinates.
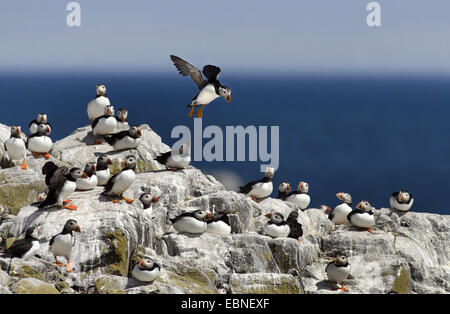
(296, 230)
(356, 211)
(112, 138)
(162, 159)
(331, 214)
(52, 240)
(19, 248)
(185, 69)
(248, 187)
(211, 72)
(34, 121)
(395, 194)
(186, 214)
(94, 123)
(48, 170)
(109, 185)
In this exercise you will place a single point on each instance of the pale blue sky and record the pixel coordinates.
(245, 35)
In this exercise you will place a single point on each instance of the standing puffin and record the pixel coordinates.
(363, 217)
(62, 243)
(61, 183)
(102, 171)
(283, 190)
(89, 179)
(122, 116)
(126, 139)
(147, 200)
(219, 223)
(16, 148)
(191, 222)
(40, 119)
(261, 188)
(39, 142)
(24, 248)
(339, 214)
(105, 124)
(96, 107)
(121, 181)
(176, 159)
(300, 197)
(209, 90)
(337, 271)
(276, 227)
(401, 200)
(146, 270)
(295, 228)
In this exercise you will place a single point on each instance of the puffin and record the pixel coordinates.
(363, 217)
(401, 200)
(41, 196)
(325, 209)
(300, 197)
(261, 188)
(39, 142)
(96, 107)
(105, 124)
(102, 171)
(24, 248)
(40, 119)
(121, 181)
(89, 179)
(339, 214)
(218, 223)
(16, 148)
(222, 288)
(210, 88)
(126, 139)
(146, 270)
(122, 116)
(61, 183)
(276, 227)
(283, 190)
(176, 159)
(191, 222)
(295, 228)
(337, 271)
(147, 200)
(62, 243)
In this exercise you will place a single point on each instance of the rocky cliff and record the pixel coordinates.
(407, 253)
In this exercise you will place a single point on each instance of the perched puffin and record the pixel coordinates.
(39, 142)
(222, 288)
(363, 217)
(337, 271)
(89, 180)
(192, 222)
(146, 270)
(105, 124)
(210, 89)
(218, 223)
(41, 196)
(147, 200)
(261, 188)
(24, 248)
(295, 228)
(176, 159)
(401, 200)
(121, 181)
(40, 119)
(122, 116)
(61, 183)
(276, 227)
(339, 214)
(16, 148)
(62, 243)
(126, 139)
(283, 190)
(102, 172)
(300, 197)
(96, 107)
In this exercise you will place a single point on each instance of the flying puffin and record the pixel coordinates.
(261, 188)
(337, 271)
(122, 116)
(339, 214)
(96, 107)
(62, 243)
(363, 217)
(176, 159)
(24, 248)
(146, 270)
(401, 200)
(61, 183)
(102, 172)
(39, 142)
(295, 228)
(283, 190)
(16, 148)
(210, 89)
(121, 181)
(126, 139)
(105, 124)
(40, 119)
(218, 223)
(300, 197)
(147, 200)
(191, 222)
(89, 179)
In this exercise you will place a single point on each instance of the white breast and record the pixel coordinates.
(62, 245)
(96, 107)
(33, 128)
(85, 184)
(276, 231)
(190, 225)
(337, 274)
(103, 176)
(301, 200)
(145, 275)
(261, 190)
(16, 148)
(127, 143)
(206, 95)
(123, 182)
(400, 207)
(180, 162)
(34, 249)
(218, 227)
(340, 213)
(40, 144)
(363, 220)
(105, 126)
(67, 189)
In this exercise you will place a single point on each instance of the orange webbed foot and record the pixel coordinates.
(128, 200)
(47, 155)
(114, 200)
(71, 207)
(36, 155)
(23, 166)
(66, 202)
(58, 264)
(255, 199)
(343, 288)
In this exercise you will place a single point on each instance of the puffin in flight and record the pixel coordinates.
(210, 88)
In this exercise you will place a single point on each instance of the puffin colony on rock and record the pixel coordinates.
(62, 182)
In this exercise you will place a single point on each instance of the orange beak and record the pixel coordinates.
(140, 132)
(268, 215)
(358, 206)
(155, 199)
(78, 228)
(228, 98)
(109, 161)
(140, 262)
(289, 187)
(400, 197)
(85, 175)
(123, 164)
(48, 130)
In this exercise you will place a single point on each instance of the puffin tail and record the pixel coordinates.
(109, 139)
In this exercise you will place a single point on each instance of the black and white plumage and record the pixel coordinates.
(210, 89)
(295, 228)
(363, 217)
(96, 107)
(122, 116)
(89, 179)
(24, 248)
(148, 200)
(103, 172)
(146, 270)
(40, 142)
(40, 119)
(16, 147)
(176, 158)
(62, 243)
(105, 124)
(219, 223)
(120, 182)
(337, 271)
(261, 188)
(401, 200)
(61, 184)
(283, 190)
(191, 222)
(127, 139)
(300, 197)
(276, 227)
(222, 288)
(325, 209)
(339, 214)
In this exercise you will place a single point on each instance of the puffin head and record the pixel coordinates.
(325, 208)
(76, 173)
(101, 90)
(15, 131)
(135, 132)
(403, 196)
(129, 162)
(364, 206)
(147, 264)
(109, 110)
(275, 217)
(41, 196)
(72, 225)
(90, 169)
(122, 115)
(344, 197)
(222, 288)
(148, 199)
(41, 118)
(104, 160)
(269, 172)
(202, 215)
(284, 187)
(341, 260)
(225, 92)
(303, 187)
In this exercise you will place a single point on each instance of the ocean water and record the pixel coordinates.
(365, 135)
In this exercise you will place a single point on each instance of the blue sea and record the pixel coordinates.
(366, 135)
